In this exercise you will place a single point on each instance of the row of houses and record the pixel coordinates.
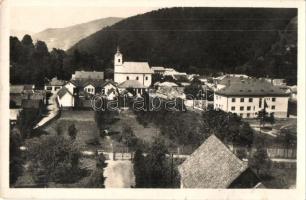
(237, 93)
(25, 97)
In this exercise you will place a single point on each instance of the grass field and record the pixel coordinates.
(84, 121)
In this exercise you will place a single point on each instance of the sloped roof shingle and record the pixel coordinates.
(131, 84)
(212, 165)
(251, 87)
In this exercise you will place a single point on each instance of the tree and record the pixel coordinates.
(228, 127)
(157, 164)
(260, 161)
(72, 131)
(127, 136)
(15, 162)
(54, 158)
(139, 169)
(96, 179)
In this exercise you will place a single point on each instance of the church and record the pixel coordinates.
(131, 74)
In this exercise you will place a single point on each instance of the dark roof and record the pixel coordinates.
(63, 91)
(212, 165)
(31, 103)
(251, 87)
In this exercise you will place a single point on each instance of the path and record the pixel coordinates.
(53, 111)
(119, 174)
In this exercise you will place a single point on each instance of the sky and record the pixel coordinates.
(37, 18)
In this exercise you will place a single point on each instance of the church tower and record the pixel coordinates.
(118, 58)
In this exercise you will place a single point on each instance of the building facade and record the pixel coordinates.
(247, 98)
(125, 71)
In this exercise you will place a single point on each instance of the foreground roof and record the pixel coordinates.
(16, 89)
(131, 84)
(212, 165)
(251, 87)
(134, 67)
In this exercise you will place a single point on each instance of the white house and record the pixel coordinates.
(71, 86)
(125, 71)
(249, 96)
(54, 85)
(90, 88)
(65, 98)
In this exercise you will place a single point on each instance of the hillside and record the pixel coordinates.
(64, 38)
(203, 40)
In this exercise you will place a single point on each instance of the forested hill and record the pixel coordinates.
(202, 40)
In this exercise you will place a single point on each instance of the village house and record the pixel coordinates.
(222, 81)
(158, 70)
(213, 165)
(54, 85)
(249, 96)
(126, 74)
(65, 98)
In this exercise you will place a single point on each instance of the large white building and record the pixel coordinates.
(126, 71)
(248, 97)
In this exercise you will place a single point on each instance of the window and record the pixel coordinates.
(57, 87)
(273, 99)
(118, 60)
(147, 78)
(248, 115)
(233, 100)
(250, 99)
(241, 99)
(137, 78)
(49, 88)
(273, 107)
(241, 115)
(233, 108)
(249, 108)
(103, 91)
(127, 78)
(241, 108)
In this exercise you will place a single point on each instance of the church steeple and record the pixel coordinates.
(118, 57)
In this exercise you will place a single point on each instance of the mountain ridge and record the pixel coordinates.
(65, 37)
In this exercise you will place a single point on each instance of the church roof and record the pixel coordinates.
(134, 68)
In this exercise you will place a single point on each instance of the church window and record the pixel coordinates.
(137, 78)
(118, 60)
(127, 78)
(146, 78)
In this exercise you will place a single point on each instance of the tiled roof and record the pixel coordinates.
(131, 84)
(212, 165)
(88, 75)
(134, 67)
(251, 87)
(63, 91)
